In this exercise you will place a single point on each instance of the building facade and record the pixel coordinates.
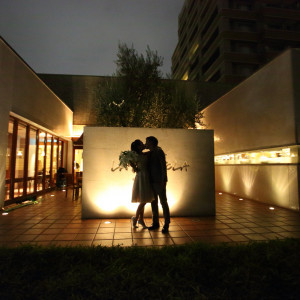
(257, 134)
(35, 131)
(228, 40)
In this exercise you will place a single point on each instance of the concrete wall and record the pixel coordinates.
(262, 112)
(258, 113)
(271, 184)
(24, 94)
(107, 190)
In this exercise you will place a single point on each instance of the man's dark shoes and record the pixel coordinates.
(153, 227)
(165, 229)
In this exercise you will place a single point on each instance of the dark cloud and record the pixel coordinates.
(81, 37)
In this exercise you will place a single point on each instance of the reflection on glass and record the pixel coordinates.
(54, 162)
(60, 154)
(20, 155)
(31, 161)
(48, 161)
(8, 158)
(41, 156)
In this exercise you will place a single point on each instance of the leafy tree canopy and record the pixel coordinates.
(137, 96)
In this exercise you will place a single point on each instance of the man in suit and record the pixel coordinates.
(158, 177)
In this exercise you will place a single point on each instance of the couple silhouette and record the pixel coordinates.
(150, 183)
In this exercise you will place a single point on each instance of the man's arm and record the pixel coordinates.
(162, 160)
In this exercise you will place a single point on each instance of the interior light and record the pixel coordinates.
(52, 195)
(271, 208)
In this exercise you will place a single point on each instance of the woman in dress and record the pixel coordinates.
(141, 191)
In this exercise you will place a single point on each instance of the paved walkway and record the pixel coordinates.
(57, 220)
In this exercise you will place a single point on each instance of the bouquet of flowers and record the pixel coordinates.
(128, 158)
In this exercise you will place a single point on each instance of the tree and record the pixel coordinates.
(137, 96)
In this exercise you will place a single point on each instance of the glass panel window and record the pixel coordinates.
(20, 156)
(54, 162)
(41, 159)
(8, 158)
(48, 161)
(60, 154)
(31, 161)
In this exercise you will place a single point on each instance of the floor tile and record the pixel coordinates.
(66, 237)
(163, 241)
(123, 243)
(45, 237)
(182, 240)
(84, 236)
(104, 236)
(59, 222)
(104, 243)
(238, 238)
(143, 242)
(122, 235)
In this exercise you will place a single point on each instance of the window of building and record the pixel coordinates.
(32, 158)
(215, 77)
(209, 22)
(243, 47)
(240, 5)
(20, 160)
(210, 41)
(9, 159)
(193, 33)
(242, 25)
(244, 69)
(211, 60)
(194, 65)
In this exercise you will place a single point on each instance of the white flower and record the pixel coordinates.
(128, 158)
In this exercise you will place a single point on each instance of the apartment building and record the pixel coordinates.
(228, 40)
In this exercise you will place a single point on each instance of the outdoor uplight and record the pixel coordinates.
(52, 195)
(241, 199)
(107, 222)
(5, 214)
(271, 208)
(220, 193)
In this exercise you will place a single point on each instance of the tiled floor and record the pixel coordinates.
(57, 220)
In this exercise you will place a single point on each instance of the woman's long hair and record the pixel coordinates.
(135, 146)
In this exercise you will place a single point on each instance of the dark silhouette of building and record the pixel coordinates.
(228, 40)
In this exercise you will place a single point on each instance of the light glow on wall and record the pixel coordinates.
(107, 188)
(286, 155)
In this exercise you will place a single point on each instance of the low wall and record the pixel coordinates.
(107, 189)
(271, 184)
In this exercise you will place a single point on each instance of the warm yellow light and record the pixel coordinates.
(241, 199)
(220, 193)
(271, 208)
(117, 199)
(5, 214)
(185, 76)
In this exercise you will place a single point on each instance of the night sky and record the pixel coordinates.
(81, 36)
